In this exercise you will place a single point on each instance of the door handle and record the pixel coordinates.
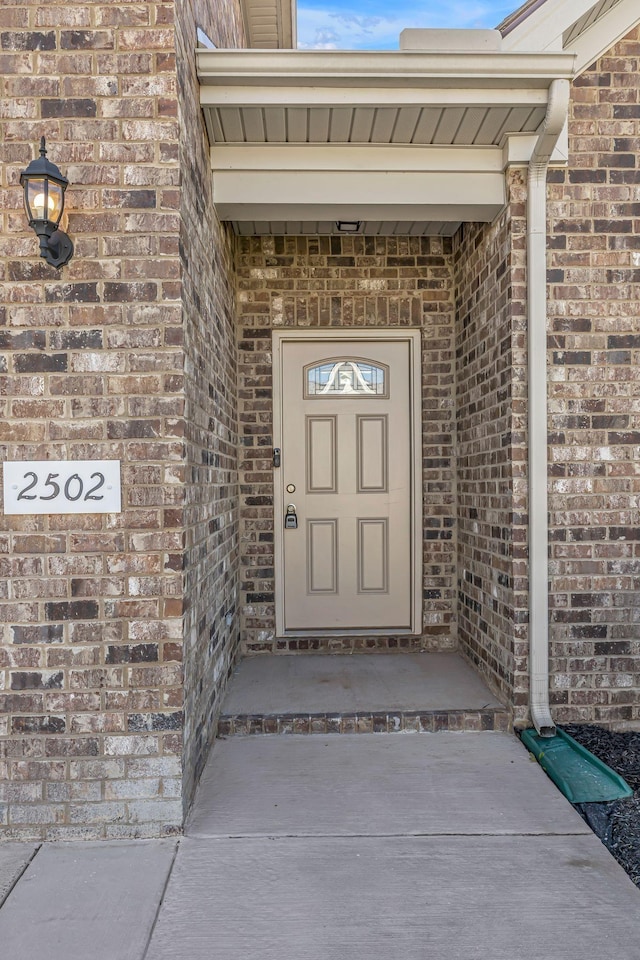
(291, 517)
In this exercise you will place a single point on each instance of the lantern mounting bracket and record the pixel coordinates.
(56, 249)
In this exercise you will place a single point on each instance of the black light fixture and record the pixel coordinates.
(44, 188)
(349, 226)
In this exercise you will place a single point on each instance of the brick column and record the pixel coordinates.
(95, 366)
(594, 371)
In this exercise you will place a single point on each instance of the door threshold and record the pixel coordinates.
(353, 643)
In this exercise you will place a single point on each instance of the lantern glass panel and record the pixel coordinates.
(44, 200)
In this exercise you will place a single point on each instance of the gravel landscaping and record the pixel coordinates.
(617, 823)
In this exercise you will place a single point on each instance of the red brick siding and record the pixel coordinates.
(491, 433)
(212, 623)
(594, 397)
(106, 359)
(91, 629)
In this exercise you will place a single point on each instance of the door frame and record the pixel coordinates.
(411, 336)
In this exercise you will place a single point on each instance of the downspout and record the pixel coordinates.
(557, 110)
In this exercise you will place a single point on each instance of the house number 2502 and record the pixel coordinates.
(77, 486)
(73, 488)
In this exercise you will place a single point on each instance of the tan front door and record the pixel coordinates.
(346, 480)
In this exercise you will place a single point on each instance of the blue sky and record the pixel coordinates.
(376, 24)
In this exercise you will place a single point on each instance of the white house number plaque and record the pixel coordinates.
(70, 486)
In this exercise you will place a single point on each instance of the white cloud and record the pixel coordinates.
(367, 24)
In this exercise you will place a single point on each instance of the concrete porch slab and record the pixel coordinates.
(451, 898)
(449, 783)
(316, 684)
(86, 900)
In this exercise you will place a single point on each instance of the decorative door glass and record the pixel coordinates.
(346, 378)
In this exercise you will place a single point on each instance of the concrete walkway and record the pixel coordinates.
(366, 847)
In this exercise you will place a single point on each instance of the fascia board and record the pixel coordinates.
(372, 95)
(605, 33)
(383, 69)
(390, 158)
(543, 28)
(344, 190)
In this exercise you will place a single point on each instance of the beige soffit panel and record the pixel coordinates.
(270, 24)
(481, 124)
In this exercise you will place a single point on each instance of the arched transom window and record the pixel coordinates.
(346, 377)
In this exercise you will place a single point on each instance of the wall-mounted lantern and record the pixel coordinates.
(44, 188)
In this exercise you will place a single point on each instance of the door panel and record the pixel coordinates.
(373, 556)
(372, 453)
(345, 412)
(322, 455)
(322, 556)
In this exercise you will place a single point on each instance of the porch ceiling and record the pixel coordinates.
(407, 142)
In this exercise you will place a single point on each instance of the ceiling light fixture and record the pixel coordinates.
(349, 226)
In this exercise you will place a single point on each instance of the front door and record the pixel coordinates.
(345, 487)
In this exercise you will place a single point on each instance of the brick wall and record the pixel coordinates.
(211, 506)
(594, 354)
(594, 425)
(345, 281)
(91, 673)
(491, 432)
(106, 359)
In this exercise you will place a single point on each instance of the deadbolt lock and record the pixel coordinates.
(291, 517)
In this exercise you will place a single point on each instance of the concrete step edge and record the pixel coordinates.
(378, 721)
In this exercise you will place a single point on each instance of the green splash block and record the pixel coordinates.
(582, 777)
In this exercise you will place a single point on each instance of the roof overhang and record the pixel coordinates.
(414, 141)
(399, 141)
